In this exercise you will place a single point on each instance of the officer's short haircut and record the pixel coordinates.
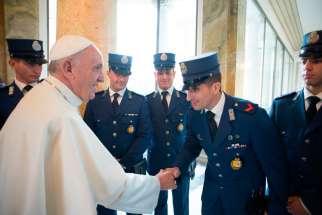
(216, 77)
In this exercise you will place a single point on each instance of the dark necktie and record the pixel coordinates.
(311, 111)
(164, 101)
(212, 125)
(26, 89)
(115, 103)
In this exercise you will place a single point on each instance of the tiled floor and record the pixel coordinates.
(195, 193)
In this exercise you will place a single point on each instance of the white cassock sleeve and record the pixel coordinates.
(62, 168)
(79, 147)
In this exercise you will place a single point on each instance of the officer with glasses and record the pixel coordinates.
(298, 116)
(26, 59)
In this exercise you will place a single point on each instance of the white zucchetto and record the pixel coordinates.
(68, 45)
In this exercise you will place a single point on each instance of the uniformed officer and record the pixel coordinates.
(298, 116)
(26, 59)
(120, 118)
(168, 108)
(240, 141)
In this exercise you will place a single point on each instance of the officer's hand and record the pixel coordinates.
(295, 206)
(167, 180)
(175, 171)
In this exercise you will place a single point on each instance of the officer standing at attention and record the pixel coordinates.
(298, 116)
(26, 59)
(120, 119)
(241, 143)
(168, 108)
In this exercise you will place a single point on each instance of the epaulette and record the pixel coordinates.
(4, 87)
(245, 106)
(132, 94)
(101, 93)
(181, 94)
(153, 94)
(289, 95)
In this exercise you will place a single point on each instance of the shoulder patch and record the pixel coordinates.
(289, 95)
(245, 106)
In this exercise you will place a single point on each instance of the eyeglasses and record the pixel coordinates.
(311, 60)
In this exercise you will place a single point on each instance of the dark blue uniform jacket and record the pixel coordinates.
(303, 144)
(125, 134)
(169, 130)
(9, 97)
(246, 133)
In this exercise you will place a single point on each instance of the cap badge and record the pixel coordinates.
(183, 68)
(124, 59)
(314, 37)
(36, 46)
(164, 57)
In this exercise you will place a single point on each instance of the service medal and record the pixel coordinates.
(236, 163)
(180, 127)
(130, 129)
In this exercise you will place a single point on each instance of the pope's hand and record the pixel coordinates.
(167, 180)
(175, 171)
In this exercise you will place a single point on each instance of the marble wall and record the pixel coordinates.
(20, 21)
(94, 21)
(3, 74)
(220, 34)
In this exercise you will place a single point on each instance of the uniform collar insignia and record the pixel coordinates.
(130, 95)
(178, 94)
(11, 90)
(231, 114)
(297, 96)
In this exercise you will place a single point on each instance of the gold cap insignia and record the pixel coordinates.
(183, 68)
(36, 46)
(164, 57)
(124, 59)
(314, 37)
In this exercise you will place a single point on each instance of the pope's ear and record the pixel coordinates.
(67, 69)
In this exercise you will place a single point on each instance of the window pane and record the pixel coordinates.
(136, 36)
(268, 69)
(253, 52)
(177, 32)
(278, 70)
(286, 72)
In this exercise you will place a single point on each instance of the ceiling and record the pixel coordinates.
(310, 12)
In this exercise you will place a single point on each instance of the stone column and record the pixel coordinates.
(20, 21)
(3, 74)
(220, 34)
(95, 20)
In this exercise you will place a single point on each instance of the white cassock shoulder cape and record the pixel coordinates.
(52, 163)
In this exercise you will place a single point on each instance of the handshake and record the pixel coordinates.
(168, 177)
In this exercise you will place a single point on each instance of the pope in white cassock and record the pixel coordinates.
(51, 163)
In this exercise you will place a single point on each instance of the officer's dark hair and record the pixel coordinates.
(216, 77)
